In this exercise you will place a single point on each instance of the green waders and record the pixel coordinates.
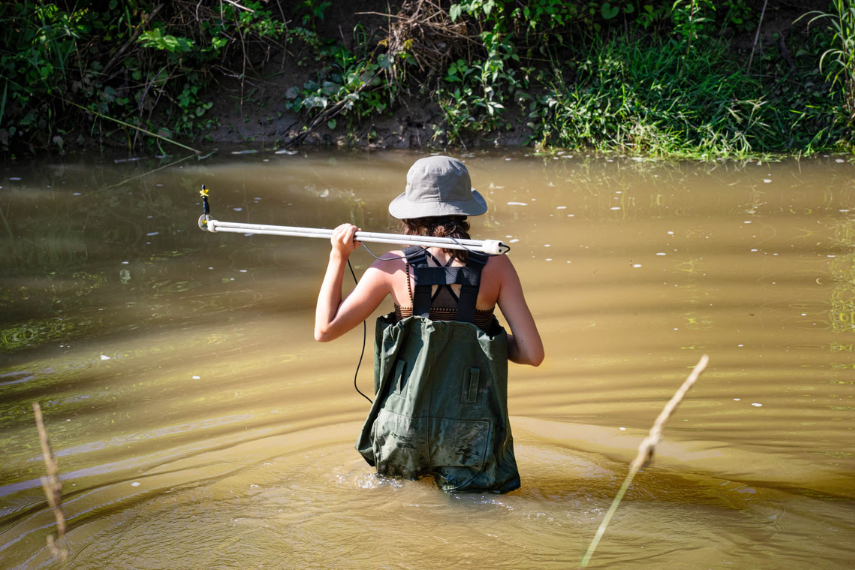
(440, 388)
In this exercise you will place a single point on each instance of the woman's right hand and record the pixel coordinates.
(343, 242)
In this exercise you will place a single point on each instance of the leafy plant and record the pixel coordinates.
(842, 53)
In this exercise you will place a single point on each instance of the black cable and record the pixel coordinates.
(364, 337)
(393, 258)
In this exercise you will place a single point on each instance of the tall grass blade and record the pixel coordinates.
(645, 454)
(140, 129)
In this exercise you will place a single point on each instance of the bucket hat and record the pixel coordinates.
(438, 186)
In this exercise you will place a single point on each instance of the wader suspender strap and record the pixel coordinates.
(417, 257)
(425, 277)
(475, 262)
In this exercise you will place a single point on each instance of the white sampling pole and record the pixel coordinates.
(208, 224)
(493, 247)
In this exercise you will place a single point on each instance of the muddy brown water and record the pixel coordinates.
(197, 423)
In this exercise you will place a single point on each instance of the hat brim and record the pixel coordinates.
(404, 209)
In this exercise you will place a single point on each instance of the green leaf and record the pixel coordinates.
(455, 11)
(331, 124)
(609, 11)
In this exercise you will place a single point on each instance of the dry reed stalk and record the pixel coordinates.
(645, 453)
(52, 488)
(756, 37)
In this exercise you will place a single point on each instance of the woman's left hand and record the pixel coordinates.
(343, 242)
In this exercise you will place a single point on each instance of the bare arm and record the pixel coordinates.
(524, 344)
(334, 316)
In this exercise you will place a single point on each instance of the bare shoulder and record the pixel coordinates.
(390, 262)
(499, 267)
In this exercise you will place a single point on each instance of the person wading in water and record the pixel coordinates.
(441, 358)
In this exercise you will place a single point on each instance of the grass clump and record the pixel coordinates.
(653, 98)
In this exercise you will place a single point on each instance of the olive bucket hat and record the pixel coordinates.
(438, 186)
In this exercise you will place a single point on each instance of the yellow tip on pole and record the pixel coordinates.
(204, 191)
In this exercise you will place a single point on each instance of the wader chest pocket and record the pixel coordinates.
(470, 391)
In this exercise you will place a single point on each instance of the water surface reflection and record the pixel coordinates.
(196, 421)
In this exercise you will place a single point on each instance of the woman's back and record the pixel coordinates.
(500, 285)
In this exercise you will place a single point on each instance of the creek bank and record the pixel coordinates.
(690, 79)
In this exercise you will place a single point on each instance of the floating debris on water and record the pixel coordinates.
(517, 204)
(514, 240)
(615, 208)
(105, 357)
(152, 233)
(286, 151)
(756, 405)
(244, 151)
(14, 178)
(196, 377)
(135, 484)
(766, 180)
(237, 209)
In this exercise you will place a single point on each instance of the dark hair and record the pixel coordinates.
(439, 226)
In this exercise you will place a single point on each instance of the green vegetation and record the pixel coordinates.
(842, 52)
(147, 64)
(660, 77)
